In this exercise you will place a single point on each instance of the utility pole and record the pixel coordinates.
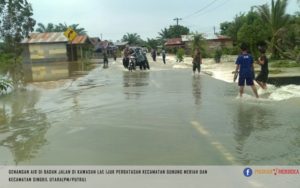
(177, 20)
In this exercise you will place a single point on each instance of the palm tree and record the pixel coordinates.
(59, 28)
(132, 38)
(164, 34)
(79, 30)
(199, 42)
(276, 19)
(41, 28)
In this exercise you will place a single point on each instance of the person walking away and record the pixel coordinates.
(105, 59)
(153, 54)
(197, 61)
(163, 53)
(126, 57)
(244, 64)
(115, 54)
(262, 77)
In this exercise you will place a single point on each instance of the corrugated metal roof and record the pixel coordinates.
(94, 40)
(174, 41)
(80, 39)
(121, 43)
(54, 37)
(219, 38)
(187, 38)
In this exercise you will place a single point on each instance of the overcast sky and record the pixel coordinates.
(111, 19)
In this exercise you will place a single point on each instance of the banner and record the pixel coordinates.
(148, 176)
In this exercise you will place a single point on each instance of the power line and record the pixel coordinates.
(214, 8)
(208, 5)
(222, 3)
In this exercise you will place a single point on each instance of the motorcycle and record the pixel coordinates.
(137, 58)
(132, 63)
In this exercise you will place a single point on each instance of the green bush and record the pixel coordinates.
(9, 64)
(218, 55)
(180, 54)
(4, 85)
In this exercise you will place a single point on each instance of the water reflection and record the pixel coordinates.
(37, 72)
(134, 83)
(250, 119)
(197, 89)
(23, 131)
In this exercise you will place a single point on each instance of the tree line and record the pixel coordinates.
(265, 23)
(268, 23)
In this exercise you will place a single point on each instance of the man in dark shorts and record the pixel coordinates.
(244, 64)
(197, 61)
(262, 77)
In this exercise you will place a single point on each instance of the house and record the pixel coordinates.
(95, 40)
(46, 56)
(105, 46)
(174, 43)
(45, 47)
(121, 45)
(185, 42)
(80, 48)
(219, 41)
(54, 47)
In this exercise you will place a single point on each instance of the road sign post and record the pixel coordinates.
(71, 35)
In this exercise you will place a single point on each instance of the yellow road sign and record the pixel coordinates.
(70, 34)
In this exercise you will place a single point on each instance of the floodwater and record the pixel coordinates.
(165, 116)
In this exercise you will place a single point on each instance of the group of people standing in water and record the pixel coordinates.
(244, 67)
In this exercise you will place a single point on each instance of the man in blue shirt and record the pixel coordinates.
(244, 64)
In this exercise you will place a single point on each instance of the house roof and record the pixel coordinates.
(95, 40)
(54, 37)
(120, 43)
(102, 44)
(174, 41)
(220, 38)
(187, 38)
(80, 39)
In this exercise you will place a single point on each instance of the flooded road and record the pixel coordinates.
(165, 116)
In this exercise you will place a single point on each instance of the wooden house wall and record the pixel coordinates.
(48, 52)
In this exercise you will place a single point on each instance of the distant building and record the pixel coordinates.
(95, 40)
(186, 41)
(121, 45)
(174, 43)
(82, 48)
(187, 38)
(219, 41)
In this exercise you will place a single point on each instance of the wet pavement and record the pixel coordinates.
(165, 116)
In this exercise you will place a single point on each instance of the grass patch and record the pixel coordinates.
(275, 71)
(272, 71)
(284, 64)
